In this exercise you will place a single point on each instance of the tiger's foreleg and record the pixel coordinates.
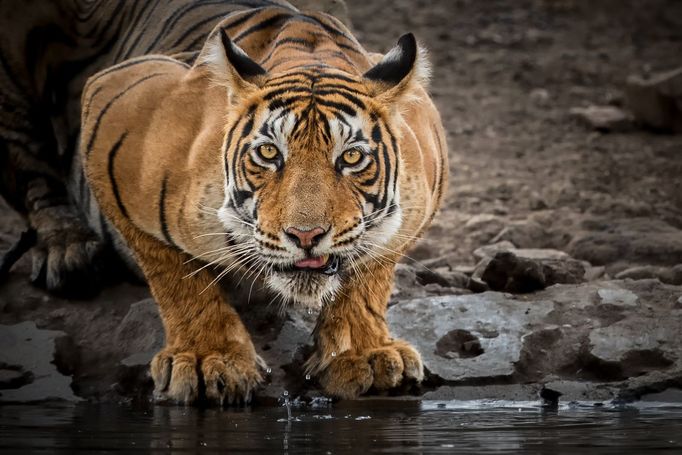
(353, 348)
(208, 351)
(67, 251)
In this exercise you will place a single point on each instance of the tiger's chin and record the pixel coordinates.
(304, 288)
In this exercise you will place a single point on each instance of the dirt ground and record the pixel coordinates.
(505, 75)
(522, 169)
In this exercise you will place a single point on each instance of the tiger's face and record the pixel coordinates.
(311, 179)
(311, 187)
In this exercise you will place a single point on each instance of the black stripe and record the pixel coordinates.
(88, 150)
(110, 168)
(338, 106)
(282, 91)
(267, 23)
(344, 94)
(354, 88)
(249, 113)
(394, 145)
(162, 213)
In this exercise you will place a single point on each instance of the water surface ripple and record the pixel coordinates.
(365, 426)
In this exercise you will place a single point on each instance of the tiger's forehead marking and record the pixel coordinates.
(310, 122)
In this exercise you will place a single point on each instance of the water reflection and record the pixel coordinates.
(366, 426)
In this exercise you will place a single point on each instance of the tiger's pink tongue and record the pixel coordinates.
(311, 263)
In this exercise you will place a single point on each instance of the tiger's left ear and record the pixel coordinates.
(231, 67)
(399, 71)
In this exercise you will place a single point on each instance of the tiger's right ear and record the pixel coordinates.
(231, 67)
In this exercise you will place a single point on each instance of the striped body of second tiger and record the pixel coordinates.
(285, 155)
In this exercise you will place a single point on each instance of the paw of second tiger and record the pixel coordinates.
(67, 254)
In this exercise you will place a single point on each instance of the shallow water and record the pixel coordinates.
(367, 426)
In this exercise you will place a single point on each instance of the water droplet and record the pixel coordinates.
(333, 298)
(307, 377)
(285, 393)
(268, 370)
(333, 354)
(310, 311)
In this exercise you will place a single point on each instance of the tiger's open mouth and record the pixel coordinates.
(326, 265)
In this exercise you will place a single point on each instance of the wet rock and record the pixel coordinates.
(13, 378)
(28, 365)
(583, 391)
(603, 118)
(138, 337)
(286, 355)
(637, 345)
(479, 334)
(550, 397)
(557, 337)
(511, 392)
(657, 101)
(141, 330)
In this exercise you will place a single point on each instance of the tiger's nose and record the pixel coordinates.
(305, 239)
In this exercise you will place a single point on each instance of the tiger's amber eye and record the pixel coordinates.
(352, 156)
(268, 151)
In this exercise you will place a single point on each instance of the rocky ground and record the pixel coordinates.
(555, 264)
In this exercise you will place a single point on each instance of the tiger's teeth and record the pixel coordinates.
(325, 258)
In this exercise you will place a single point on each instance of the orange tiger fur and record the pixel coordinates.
(171, 152)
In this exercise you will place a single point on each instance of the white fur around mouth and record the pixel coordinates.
(306, 288)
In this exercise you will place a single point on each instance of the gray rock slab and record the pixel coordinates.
(494, 321)
(30, 351)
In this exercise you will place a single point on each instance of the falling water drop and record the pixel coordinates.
(285, 393)
(334, 354)
(310, 311)
(268, 370)
(307, 377)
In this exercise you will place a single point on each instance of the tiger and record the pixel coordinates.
(281, 152)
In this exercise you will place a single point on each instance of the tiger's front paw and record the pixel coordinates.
(67, 253)
(350, 375)
(226, 377)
